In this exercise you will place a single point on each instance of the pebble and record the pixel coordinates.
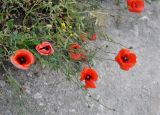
(8, 112)
(37, 96)
(2, 83)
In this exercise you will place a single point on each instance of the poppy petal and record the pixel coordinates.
(90, 84)
(75, 56)
(92, 73)
(83, 73)
(93, 37)
(132, 59)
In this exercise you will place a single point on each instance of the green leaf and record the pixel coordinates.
(1, 50)
(9, 24)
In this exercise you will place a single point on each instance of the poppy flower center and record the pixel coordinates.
(21, 60)
(75, 47)
(88, 77)
(46, 48)
(125, 59)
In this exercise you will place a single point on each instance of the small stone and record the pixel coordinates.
(41, 104)
(89, 106)
(2, 83)
(8, 112)
(26, 89)
(29, 74)
(37, 96)
(144, 18)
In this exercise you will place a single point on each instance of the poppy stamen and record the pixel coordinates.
(21, 60)
(88, 77)
(125, 59)
(75, 48)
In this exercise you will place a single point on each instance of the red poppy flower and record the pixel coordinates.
(22, 59)
(135, 5)
(75, 52)
(90, 76)
(93, 37)
(45, 48)
(126, 59)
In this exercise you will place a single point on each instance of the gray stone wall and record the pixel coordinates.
(136, 92)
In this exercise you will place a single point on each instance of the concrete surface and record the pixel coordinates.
(136, 92)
